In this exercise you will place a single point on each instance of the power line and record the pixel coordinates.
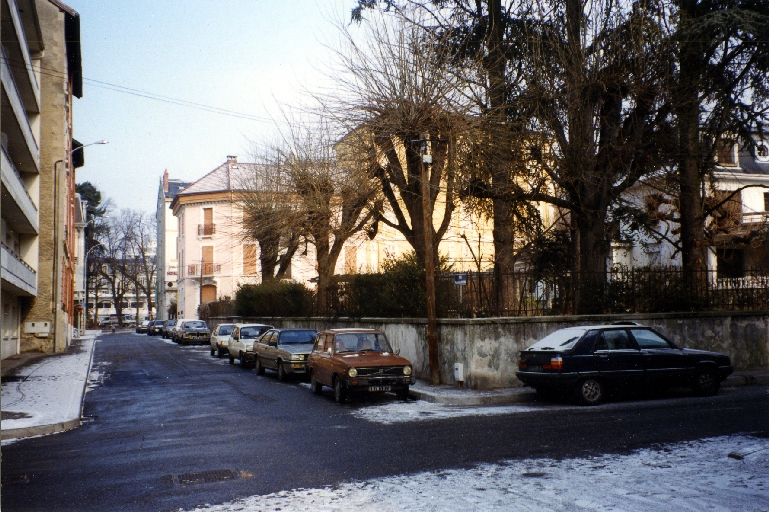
(143, 94)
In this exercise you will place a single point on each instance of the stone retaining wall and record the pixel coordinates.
(489, 347)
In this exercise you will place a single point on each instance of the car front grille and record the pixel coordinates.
(382, 371)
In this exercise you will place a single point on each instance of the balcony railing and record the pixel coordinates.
(16, 272)
(209, 269)
(206, 229)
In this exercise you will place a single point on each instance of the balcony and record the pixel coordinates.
(20, 277)
(21, 142)
(209, 269)
(21, 211)
(19, 53)
(206, 229)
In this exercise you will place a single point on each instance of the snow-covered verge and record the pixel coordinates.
(725, 473)
(48, 392)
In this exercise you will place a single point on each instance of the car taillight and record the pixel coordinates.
(556, 363)
(521, 365)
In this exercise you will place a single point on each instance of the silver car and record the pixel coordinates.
(219, 339)
(284, 350)
(241, 342)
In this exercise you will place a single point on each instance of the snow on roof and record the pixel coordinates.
(226, 177)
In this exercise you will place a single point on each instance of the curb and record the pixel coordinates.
(510, 396)
(40, 430)
(54, 428)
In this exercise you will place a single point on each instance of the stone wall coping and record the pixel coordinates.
(586, 319)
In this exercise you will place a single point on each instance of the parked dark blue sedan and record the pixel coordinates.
(591, 359)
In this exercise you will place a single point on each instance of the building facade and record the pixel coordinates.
(48, 325)
(20, 166)
(168, 264)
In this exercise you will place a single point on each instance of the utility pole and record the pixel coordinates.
(427, 225)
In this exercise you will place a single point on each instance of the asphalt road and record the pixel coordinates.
(171, 427)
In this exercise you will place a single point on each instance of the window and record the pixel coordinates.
(762, 152)
(730, 263)
(725, 154)
(350, 259)
(249, 259)
(649, 339)
(614, 340)
(766, 201)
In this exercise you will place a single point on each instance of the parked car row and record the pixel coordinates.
(346, 360)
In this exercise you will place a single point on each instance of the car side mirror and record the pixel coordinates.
(273, 343)
(397, 351)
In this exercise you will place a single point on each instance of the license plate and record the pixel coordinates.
(379, 388)
(298, 365)
(535, 368)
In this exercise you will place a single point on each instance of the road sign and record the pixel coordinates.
(460, 279)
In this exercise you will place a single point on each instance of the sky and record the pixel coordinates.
(242, 56)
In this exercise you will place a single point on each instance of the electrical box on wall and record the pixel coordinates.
(39, 329)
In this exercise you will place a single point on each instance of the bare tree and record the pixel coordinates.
(336, 195)
(399, 101)
(270, 216)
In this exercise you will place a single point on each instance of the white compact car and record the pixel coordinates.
(219, 339)
(241, 342)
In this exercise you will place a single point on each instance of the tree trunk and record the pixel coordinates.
(504, 256)
(591, 271)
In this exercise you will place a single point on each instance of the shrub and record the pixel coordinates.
(273, 298)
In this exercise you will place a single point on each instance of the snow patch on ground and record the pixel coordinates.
(49, 392)
(697, 475)
(399, 412)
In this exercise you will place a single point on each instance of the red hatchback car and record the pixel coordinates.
(349, 360)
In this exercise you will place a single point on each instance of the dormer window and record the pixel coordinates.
(726, 154)
(762, 152)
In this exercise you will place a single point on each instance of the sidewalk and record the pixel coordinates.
(43, 394)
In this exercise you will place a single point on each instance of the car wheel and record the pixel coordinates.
(340, 393)
(403, 394)
(706, 383)
(258, 364)
(590, 391)
(219, 352)
(213, 352)
(243, 362)
(281, 371)
(232, 359)
(316, 386)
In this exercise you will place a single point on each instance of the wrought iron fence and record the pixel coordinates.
(620, 290)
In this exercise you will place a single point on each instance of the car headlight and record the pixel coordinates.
(352, 372)
(407, 370)
(296, 357)
(250, 348)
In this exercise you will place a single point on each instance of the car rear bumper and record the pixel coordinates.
(550, 380)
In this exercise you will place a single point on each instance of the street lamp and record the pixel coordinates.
(57, 278)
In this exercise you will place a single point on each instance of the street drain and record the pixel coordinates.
(15, 479)
(202, 477)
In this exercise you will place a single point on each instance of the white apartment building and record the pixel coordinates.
(167, 262)
(739, 231)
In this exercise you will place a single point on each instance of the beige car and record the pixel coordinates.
(219, 339)
(241, 342)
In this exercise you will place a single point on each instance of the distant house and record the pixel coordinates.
(168, 230)
(737, 231)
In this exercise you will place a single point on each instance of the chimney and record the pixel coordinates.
(231, 159)
(165, 181)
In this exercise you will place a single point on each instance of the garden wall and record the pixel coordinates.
(489, 347)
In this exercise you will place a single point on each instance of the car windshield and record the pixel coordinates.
(196, 325)
(562, 339)
(289, 337)
(252, 331)
(362, 342)
(226, 330)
